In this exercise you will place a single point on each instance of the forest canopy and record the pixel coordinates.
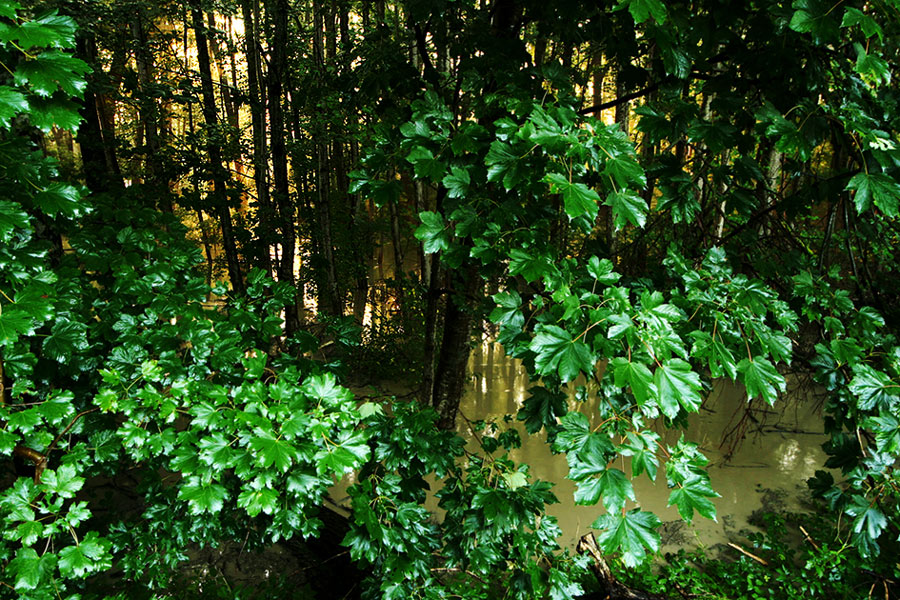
(217, 218)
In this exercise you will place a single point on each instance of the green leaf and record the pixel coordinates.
(50, 29)
(694, 494)
(59, 198)
(872, 387)
(500, 159)
(625, 170)
(632, 534)
(524, 264)
(602, 270)
(29, 532)
(66, 338)
(627, 207)
(642, 447)
(457, 182)
(12, 217)
(203, 497)
(432, 232)
(875, 188)
(257, 501)
(30, 570)
(13, 321)
(611, 485)
(641, 10)
(558, 353)
(509, 309)
(270, 451)
(578, 199)
(635, 375)
(515, 480)
(854, 16)
(8, 9)
(53, 70)
(64, 481)
(676, 386)
(868, 524)
(542, 408)
(91, 555)
(761, 379)
(12, 103)
(349, 453)
(872, 67)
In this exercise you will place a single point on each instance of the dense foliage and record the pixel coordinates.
(740, 222)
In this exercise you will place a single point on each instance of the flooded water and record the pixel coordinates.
(759, 461)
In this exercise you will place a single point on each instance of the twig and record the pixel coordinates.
(809, 539)
(748, 554)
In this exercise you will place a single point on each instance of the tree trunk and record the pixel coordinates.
(98, 155)
(277, 10)
(459, 317)
(258, 128)
(217, 173)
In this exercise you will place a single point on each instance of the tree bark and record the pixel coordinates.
(277, 10)
(459, 317)
(258, 128)
(217, 173)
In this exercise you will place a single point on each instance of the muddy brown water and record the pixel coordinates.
(756, 463)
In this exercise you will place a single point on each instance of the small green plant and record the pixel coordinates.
(794, 557)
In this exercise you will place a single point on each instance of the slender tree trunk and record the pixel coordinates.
(277, 10)
(459, 318)
(98, 154)
(258, 128)
(217, 172)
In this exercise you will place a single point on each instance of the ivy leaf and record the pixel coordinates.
(558, 353)
(694, 494)
(632, 534)
(29, 569)
(627, 207)
(578, 199)
(761, 379)
(432, 232)
(677, 385)
(542, 408)
(12, 102)
(203, 498)
(635, 375)
(875, 188)
(457, 182)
